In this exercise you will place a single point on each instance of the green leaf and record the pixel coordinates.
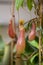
(34, 43)
(2, 45)
(29, 48)
(18, 3)
(1, 52)
(29, 4)
(33, 57)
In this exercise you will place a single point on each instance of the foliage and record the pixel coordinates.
(31, 53)
(19, 3)
(2, 45)
(30, 4)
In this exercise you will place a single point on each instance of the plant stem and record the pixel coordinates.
(12, 53)
(40, 32)
(6, 56)
(19, 60)
(40, 49)
(13, 20)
